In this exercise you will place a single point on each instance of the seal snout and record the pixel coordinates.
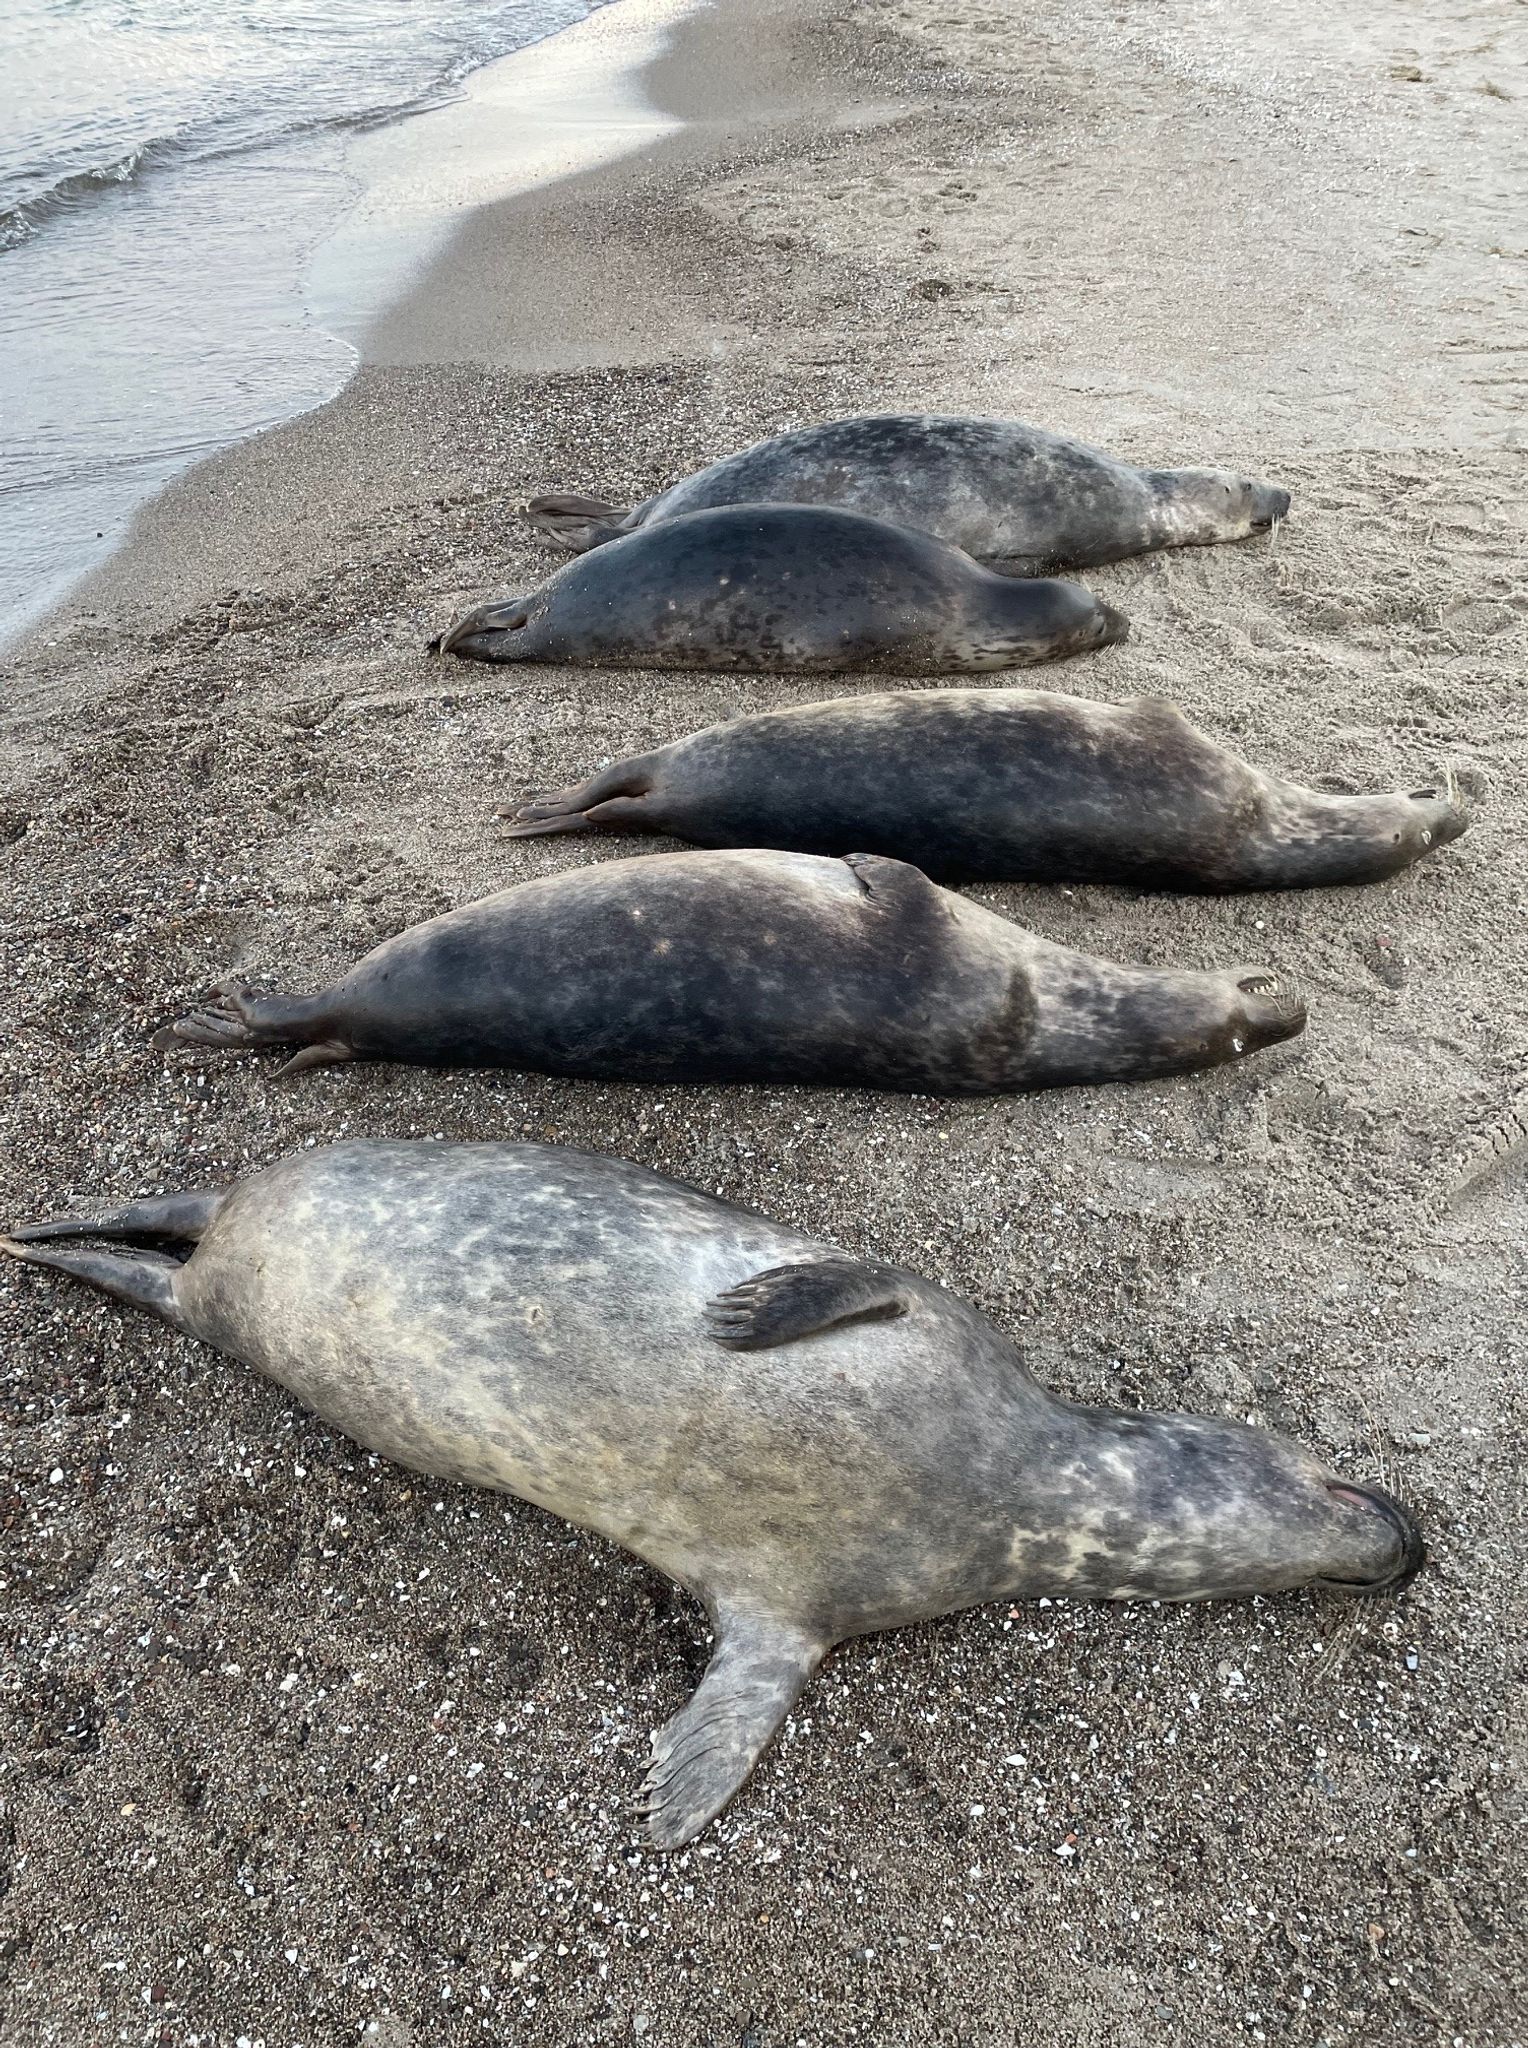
(1269, 506)
(1272, 1006)
(1402, 1551)
(1436, 819)
(1114, 626)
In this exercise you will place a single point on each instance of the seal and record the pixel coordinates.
(815, 1446)
(1022, 500)
(1003, 786)
(757, 966)
(786, 587)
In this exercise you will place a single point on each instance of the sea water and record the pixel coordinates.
(167, 170)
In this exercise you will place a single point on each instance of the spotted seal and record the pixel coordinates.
(1003, 786)
(800, 588)
(1024, 501)
(757, 966)
(816, 1446)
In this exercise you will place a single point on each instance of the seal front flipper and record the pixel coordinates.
(235, 1019)
(788, 1302)
(703, 1756)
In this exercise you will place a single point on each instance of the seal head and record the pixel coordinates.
(1203, 507)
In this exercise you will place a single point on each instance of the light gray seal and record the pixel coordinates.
(797, 588)
(757, 966)
(1003, 786)
(815, 1446)
(1024, 501)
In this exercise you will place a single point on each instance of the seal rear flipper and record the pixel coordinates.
(147, 1279)
(787, 1302)
(184, 1215)
(703, 1756)
(576, 523)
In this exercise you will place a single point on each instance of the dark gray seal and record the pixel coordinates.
(757, 966)
(814, 1445)
(1003, 786)
(1024, 501)
(786, 587)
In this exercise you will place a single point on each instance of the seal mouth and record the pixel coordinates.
(1272, 1004)
(1411, 1549)
(1114, 628)
(476, 635)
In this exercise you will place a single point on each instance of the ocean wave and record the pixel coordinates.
(20, 221)
(56, 195)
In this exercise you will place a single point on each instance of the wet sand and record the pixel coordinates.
(301, 1749)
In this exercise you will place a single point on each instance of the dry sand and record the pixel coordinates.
(303, 1750)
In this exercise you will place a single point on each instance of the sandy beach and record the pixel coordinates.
(299, 1749)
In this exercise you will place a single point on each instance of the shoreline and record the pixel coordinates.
(269, 1699)
(702, 101)
(568, 102)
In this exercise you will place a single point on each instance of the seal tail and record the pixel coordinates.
(235, 1019)
(612, 801)
(577, 524)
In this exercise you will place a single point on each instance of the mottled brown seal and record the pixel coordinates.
(1016, 497)
(758, 966)
(816, 1446)
(796, 588)
(1004, 786)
